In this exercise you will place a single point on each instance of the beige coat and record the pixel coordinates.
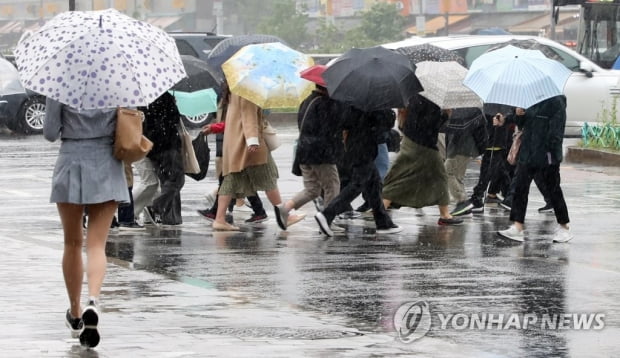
(243, 122)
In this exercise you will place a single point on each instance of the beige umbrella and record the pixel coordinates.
(443, 84)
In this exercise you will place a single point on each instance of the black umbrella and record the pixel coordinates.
(372, 79)
(225, 49)
(428, 52)
(199, 76)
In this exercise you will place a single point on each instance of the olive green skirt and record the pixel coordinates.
(417, 178)
(250, 180)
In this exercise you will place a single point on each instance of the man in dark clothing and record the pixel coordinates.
(466, 138)
(318, 147)
(160, 125)
(363, 130)
(540, 154)
(494, 166)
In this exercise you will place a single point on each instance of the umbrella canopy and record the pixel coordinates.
(516, 77)
(196, 103)
(428, 52)
(225, 49)
(199, 76)
(99, 59)
(314, 74)
(268, 75)
(9, 79)
(372, 79)
(530, 44)
(443, 85)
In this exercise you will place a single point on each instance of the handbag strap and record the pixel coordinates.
(303, 119)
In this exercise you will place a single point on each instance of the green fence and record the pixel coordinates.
(601, 136)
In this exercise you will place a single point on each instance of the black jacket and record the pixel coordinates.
(423, 121)
(543, 132)
(365, 130)
(320, 130)
(160, 124)
(466, 132)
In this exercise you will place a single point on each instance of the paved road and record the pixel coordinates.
(190, 292)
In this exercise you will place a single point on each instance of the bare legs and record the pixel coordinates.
(444, 210)
(99, 220)
(223, 201)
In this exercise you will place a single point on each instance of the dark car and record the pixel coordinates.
(197, 44)
(22, 112)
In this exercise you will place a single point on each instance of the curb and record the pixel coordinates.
(593, 156)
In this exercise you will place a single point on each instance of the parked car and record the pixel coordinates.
(590, 90)
(21, 110)
(197, 44)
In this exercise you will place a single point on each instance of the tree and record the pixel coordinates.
(382, 23)
(249, 12)
(287, 22)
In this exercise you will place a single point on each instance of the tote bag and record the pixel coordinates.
(190, 162)
(129, 143)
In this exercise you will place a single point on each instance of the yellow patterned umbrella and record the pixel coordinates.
(268, 75)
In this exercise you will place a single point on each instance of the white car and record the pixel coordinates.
(591, 91)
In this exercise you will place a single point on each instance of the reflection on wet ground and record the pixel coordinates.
(363, 278)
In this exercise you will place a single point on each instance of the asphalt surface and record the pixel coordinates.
(190, 292)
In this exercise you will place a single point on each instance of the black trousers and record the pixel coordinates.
(363, 178)
(125, 210)
(493, 168)
(540, 184)
(169, 168)
(550, 176)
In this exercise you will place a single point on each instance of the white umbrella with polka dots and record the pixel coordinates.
(99, 59)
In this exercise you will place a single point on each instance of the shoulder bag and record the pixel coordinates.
(270, 135)
(190, 162)
(130, 144)
(513, 153)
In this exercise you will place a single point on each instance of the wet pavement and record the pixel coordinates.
(189, 292)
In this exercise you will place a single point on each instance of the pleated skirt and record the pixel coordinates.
(86, 172)
(417, 178)
(251, 180)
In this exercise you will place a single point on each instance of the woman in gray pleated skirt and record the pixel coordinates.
(86, 176)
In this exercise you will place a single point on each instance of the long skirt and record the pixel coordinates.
(250, 180)
(417, 177)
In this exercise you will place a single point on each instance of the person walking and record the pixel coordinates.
(418, 177)
(86, 176)
(540, 154)
(494, 168)
(247, 164)
(466, 138)
(362, 130)
(320, 140)
(259, 214)
(161, 119)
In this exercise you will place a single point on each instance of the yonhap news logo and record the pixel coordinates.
(413, 320)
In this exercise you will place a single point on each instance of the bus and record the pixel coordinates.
(599, 30)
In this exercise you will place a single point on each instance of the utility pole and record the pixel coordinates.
(71, 5)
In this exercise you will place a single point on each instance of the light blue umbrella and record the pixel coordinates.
(196, 103)
(516, 77)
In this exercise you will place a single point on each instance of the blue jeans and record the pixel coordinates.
(382, 161)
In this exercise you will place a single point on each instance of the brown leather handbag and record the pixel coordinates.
(130, 144)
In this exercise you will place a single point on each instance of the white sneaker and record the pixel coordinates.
(562, 235)
(323, 224)
(337, 229)
(512, 233)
